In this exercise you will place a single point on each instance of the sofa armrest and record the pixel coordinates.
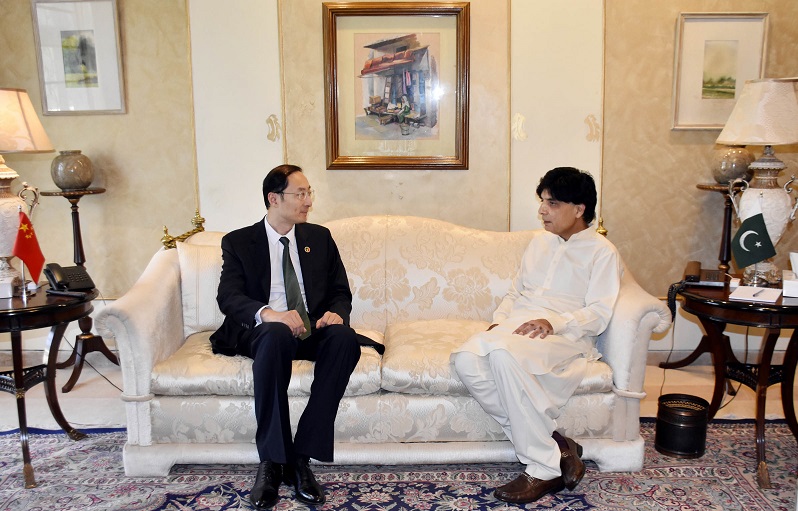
(624, 344)
(147, 323)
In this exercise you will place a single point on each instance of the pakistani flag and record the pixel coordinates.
(752, 243)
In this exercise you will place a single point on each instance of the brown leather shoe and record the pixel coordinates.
(571, 464)
(525, 488)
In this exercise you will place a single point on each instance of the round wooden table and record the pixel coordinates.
(39, 311)
(714, 309)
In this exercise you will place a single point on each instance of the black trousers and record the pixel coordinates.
(335, 351)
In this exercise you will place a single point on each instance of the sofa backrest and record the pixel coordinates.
(404, 268)
(400, 268)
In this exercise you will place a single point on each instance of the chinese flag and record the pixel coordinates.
(26, 247)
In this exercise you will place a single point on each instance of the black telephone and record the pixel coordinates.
(694, 276)
(70, 278)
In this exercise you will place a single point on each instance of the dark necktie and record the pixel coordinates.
(293, 295)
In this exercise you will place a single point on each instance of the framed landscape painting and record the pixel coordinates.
(715, 54)
(396, 92)
(80, 61)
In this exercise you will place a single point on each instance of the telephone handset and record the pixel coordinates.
(70, 278)
(692, 272)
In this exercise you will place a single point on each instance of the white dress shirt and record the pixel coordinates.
(277, 299)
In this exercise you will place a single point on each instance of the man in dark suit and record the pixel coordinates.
(285, 296)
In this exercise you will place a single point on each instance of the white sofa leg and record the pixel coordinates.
(158, 459)
(612, 456)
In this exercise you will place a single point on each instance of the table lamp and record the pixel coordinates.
(766, 114)
(20, 132)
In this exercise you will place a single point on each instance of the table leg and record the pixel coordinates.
(19, 384)
(766, 358)
(68, 362)
(703, 347)
(721, 352)
(787, 403)
(85, 343)
(56, 333)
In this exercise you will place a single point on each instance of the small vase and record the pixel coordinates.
(730, 163)
(72, 170)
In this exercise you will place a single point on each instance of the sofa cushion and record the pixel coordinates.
(416, 359)
(194, 370)
(200, 268)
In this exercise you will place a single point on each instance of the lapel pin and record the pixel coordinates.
(307, 250)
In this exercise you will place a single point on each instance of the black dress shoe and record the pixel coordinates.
(299, 475)
(267, 484)
(525, 488)
(571, 465)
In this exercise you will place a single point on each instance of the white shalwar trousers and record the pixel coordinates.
(522, 403)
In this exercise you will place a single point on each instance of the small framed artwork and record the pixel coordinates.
(396, 78)
(79, 54)
(715, 54)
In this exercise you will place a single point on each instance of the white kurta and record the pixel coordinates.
(573, 285)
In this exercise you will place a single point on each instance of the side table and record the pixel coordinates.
(38, 311)
(85, 342)
(714, 310)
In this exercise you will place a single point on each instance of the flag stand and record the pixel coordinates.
(24, 292)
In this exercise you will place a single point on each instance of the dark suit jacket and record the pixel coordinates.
(246, 279)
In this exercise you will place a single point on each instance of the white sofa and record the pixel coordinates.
(420, 287)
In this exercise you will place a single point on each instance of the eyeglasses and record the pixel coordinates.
(302, 195)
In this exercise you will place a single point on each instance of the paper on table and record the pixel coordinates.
(794, 262)
(756, 294)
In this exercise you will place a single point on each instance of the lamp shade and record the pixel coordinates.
(765, 114)
(20, 128)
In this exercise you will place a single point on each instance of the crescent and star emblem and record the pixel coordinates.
(742, 240)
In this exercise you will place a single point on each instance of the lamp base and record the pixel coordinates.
(762, 274)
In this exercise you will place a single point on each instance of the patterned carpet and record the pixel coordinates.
(88, 475)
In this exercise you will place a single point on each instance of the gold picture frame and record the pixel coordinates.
(715, 53)
(396, 85)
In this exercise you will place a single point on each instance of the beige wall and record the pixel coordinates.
(652, 209)
(476, 197)
(145, 158)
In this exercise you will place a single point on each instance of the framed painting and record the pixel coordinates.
(79, 54)
(715, 54)
(396, 78)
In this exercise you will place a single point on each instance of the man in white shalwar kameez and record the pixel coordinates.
(527, 365)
